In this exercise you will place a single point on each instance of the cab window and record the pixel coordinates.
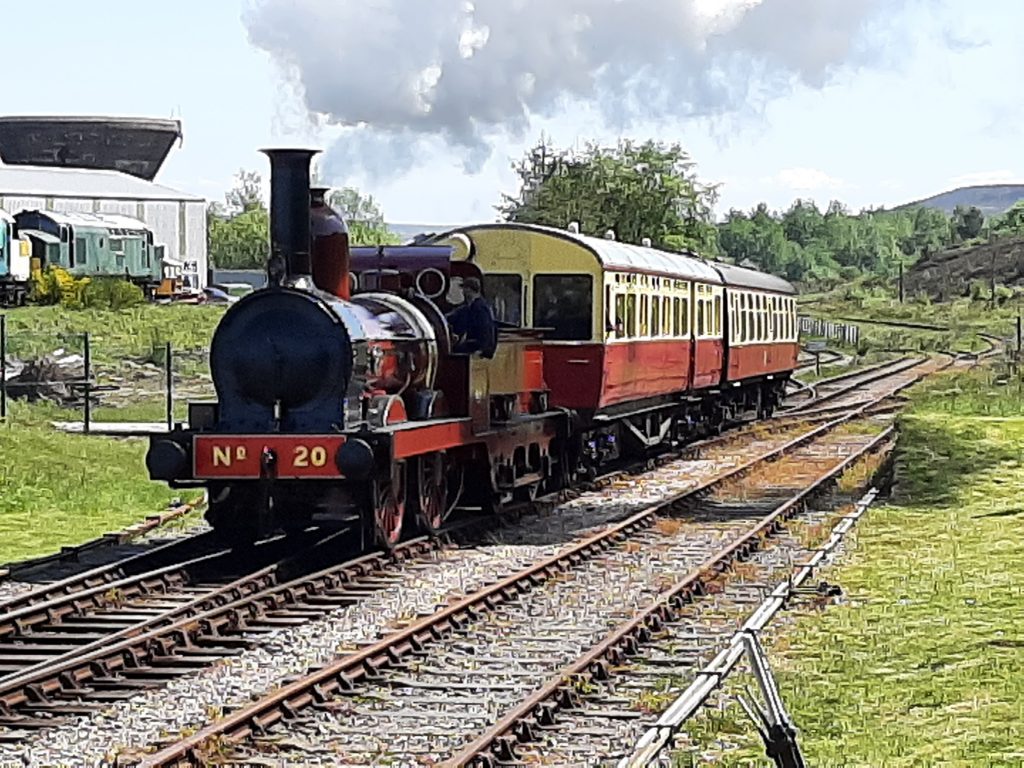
(563, 304)
(505, 292)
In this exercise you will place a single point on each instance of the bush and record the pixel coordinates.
(56, 286)
(112, 293)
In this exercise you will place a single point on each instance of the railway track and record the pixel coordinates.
(154, 653)
(459, 641)
(853, 389)
(600, 698)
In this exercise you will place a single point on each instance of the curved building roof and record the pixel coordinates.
(136, 146)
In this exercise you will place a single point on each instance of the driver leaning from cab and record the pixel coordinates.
(473, 322)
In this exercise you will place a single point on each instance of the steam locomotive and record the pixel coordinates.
(339, 394)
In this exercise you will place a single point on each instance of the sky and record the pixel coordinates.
(425, 104)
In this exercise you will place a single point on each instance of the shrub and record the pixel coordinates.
(55, 285)
(112, 293)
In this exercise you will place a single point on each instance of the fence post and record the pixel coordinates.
(170, 389)
(3, 366)
(88, 383)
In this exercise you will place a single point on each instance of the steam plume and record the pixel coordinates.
(405, 72)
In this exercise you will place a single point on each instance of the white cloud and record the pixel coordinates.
(985, 177)
(807, 179)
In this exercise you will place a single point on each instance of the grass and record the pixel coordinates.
(61, 489)
(920, 665)
(965, 317)
(136, 333)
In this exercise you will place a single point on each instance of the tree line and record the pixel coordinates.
(650, 190)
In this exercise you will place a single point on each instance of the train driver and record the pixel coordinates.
(473, 322)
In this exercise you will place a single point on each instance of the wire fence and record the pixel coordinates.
(88, 380)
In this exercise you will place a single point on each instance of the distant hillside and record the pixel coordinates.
(947, 274)
(990, 198)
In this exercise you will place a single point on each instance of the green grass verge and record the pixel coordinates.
(920, 665)
(58, 489)
(965, 317)
(137, 333)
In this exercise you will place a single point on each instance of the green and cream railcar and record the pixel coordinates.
(92, 245)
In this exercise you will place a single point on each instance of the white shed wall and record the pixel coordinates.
(195, 256)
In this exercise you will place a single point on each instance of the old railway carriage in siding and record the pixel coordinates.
(647, 346)
(91, 244)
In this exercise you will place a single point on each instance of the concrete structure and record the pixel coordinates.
(134, 145)
(177, 219)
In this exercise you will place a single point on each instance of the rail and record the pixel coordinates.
(347, 671)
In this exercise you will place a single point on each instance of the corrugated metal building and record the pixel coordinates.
(178, 219)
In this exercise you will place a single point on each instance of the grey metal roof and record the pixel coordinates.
(82, 183)
(741, 277)
(99, 220)
(612, 254)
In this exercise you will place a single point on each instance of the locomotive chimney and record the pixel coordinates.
(331, 255)
(289, 213)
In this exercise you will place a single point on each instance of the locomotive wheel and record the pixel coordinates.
(389, 507)
(432, 491)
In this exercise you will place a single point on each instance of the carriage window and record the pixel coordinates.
(684, 316)
(718, 316)
(505, 293)
(655, 317)
(80, 251)
(620, 316)
(644, 315)
(631, 314)
(700, 317)
(565, 304)
(666, 316)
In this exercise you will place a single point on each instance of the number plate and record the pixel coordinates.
(237, 457)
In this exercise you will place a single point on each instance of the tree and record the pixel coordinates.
(636, 190)
(238, 234)
(363, 216)
(247, 193)
(1010, 223)
(241, 241)
(967, 221)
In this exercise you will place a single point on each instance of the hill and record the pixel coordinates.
(990, 198)
(949, 273)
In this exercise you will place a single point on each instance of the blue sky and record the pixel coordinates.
(937, 107)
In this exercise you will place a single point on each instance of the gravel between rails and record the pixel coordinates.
(189, 700)
(616, 713)
(425, 709)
